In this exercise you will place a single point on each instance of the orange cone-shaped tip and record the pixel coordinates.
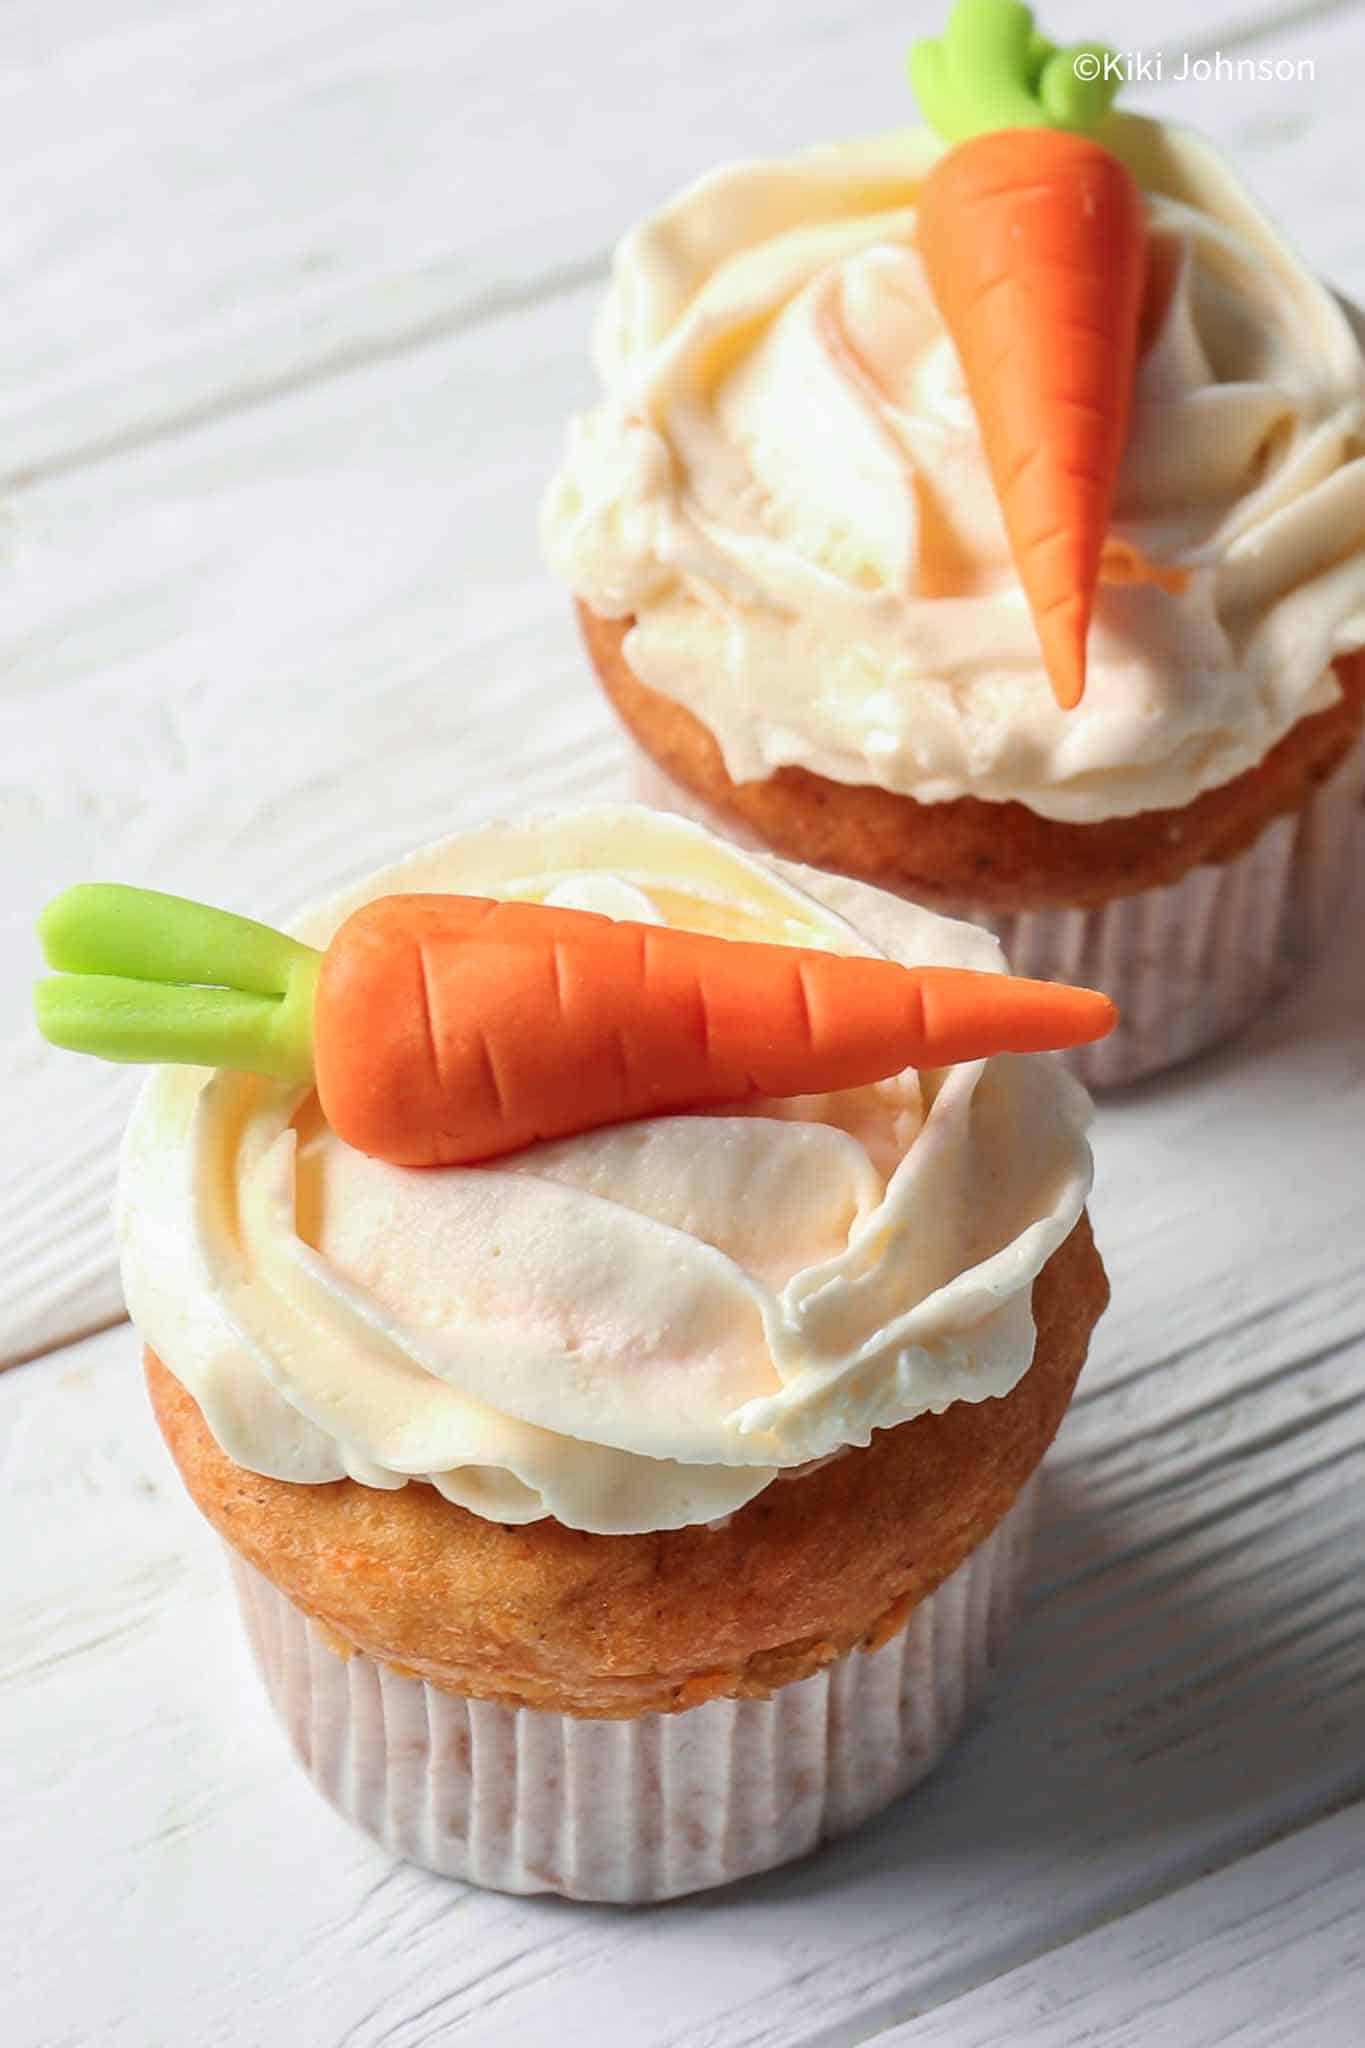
(970, 1019)
(449, 1031)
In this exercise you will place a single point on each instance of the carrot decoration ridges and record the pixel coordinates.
(1034, 241)
(442, 1030)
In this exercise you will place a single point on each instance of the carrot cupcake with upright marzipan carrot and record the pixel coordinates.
(611, 1293)
(981, 510)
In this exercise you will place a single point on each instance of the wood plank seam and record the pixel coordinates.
(1157, 1895)
(496, 302)
(499, 302)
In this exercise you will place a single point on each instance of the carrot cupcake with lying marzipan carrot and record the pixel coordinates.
(611, 1293)
(981, 510)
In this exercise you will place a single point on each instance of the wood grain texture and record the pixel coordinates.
(303, 641)
(1263, 1955)
(305, 301)
(212, 206)
(1187, 1688)
(255, 659)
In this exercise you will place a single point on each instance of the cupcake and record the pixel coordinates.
(1040, 602)
(627, 1510)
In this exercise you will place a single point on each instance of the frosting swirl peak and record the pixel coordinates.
(785, 488)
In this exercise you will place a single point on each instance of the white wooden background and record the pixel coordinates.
(297, 302)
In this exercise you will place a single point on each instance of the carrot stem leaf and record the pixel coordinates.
(106, 928)
(146, 977)
(992, 68)
(117, 1018)
(1075, 88)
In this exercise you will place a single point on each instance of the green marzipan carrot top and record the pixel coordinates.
(147, 977)
(991, 68)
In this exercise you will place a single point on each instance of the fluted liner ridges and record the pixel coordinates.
(523, 1801)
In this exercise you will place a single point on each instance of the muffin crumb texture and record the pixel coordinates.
(618, 1626)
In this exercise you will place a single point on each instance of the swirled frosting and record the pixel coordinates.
(785, 488)
(634, 1329)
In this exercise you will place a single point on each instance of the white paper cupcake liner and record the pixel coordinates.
(1188, 965)
(520, 1800)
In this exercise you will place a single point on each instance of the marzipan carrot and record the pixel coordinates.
(444, 1030)
(1034, 242)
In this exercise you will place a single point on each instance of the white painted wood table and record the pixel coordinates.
(299, 301)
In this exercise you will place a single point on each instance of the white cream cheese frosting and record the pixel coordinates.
(784, 486)
(634, 1329)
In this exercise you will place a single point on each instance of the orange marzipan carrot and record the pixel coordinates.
(1034, 242)
(442, 1030)
(449, 1030)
